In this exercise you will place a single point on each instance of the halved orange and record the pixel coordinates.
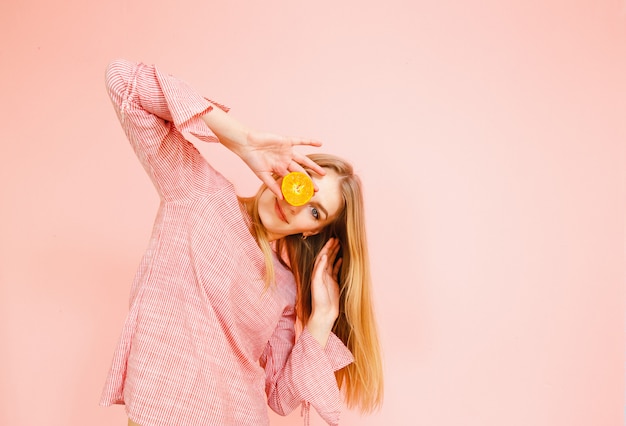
(297, 188)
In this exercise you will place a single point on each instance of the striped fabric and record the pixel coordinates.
(204, 343)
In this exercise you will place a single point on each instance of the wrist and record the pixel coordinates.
(230, 132)
(320, 328)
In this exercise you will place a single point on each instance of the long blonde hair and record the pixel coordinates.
(361, 381)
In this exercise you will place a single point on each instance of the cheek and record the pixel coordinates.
(308, 220)
(266, 210)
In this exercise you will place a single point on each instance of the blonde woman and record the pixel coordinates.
(210, 337)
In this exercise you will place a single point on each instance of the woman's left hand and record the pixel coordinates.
(267, 154)
(325, 291)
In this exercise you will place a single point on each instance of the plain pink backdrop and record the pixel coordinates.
(489, 134)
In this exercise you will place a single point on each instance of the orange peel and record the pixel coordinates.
(297, 188)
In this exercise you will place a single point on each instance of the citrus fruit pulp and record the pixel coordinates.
(297, 188)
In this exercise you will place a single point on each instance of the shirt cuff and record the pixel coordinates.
(337, 353)
(186, 106)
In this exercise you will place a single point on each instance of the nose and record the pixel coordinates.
(294, 209)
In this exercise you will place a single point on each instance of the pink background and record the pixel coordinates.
(490, 137)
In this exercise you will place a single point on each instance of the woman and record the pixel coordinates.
(210, 336)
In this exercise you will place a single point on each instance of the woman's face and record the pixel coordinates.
(281, 218)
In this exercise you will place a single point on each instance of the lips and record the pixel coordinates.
(280, 213)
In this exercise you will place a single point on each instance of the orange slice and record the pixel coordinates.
(297, 188)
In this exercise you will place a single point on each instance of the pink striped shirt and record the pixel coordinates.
(204, 343)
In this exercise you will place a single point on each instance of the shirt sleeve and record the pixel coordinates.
(155, 110)
(303, 373)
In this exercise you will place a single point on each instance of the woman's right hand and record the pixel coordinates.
(325, 294)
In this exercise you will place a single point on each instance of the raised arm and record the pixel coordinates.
(154, 110)
(266, 154)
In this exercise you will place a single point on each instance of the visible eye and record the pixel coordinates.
(315, 213)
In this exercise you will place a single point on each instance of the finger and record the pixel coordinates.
(282, 170)
(333, 244)
(273, 186)
(328, 245)
(337, 267)
(306, 142)
(334, 251)
(305, 161)
(320, 265)
(323, 251)
(296, 166)
(323, 254)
